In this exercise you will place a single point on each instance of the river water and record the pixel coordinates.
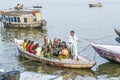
(62, 16)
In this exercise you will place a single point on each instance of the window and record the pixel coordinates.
(25, 19)
(15, 19)
(18, 19)
(11, 19)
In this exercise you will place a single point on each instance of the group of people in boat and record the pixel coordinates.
(29, 46)
(56, 49)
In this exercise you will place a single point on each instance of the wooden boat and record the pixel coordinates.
(37, 6)
(83, 62)
(117, 39)
(95, 5)
(111, 53)
(117, 30)
(22, 18)
(65, 72)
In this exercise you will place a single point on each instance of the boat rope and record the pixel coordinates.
(95, 55)
(96, 39)
(85, 48)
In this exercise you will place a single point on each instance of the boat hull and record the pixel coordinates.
(37, 6)
(37, 24)
(95, 5)
(107, 54)
(54, 62)
(117, 30)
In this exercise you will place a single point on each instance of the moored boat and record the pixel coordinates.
(109, 52)
(37, 6)
(20, 17)
(95, 5)
(83, 62)
(117, 30)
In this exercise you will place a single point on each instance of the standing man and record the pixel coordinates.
(73, 39)
(47, 44)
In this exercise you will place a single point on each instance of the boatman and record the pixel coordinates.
(73, 39)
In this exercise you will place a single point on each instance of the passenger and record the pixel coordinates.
(59, 43)
(47, 47)
(28, 44)
(47, 44)
(55, 48)
(24, 45)
(63, 44)
(64, 53)
(38, 50)
(55, 43)
(31, 48)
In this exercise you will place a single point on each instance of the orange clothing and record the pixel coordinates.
(65, 52)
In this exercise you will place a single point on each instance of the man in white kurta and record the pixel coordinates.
(73, 39)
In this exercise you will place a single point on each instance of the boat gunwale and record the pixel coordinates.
(100, 46)
(90, 64)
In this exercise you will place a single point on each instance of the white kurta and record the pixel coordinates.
(73, 46)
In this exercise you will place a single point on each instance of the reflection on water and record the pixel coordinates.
(67, 73)
(103, 71)
(8, 51)
(9, 34)
(108, 70)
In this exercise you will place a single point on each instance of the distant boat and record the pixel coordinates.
(37, 6)
(117, 30)
(84, 62)
(95, 5)
(109, 52)
(21, 17)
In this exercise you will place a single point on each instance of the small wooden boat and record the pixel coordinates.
(95, 5)
(37, 6)
(111, 53)
(83, 62)
(117, 30)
